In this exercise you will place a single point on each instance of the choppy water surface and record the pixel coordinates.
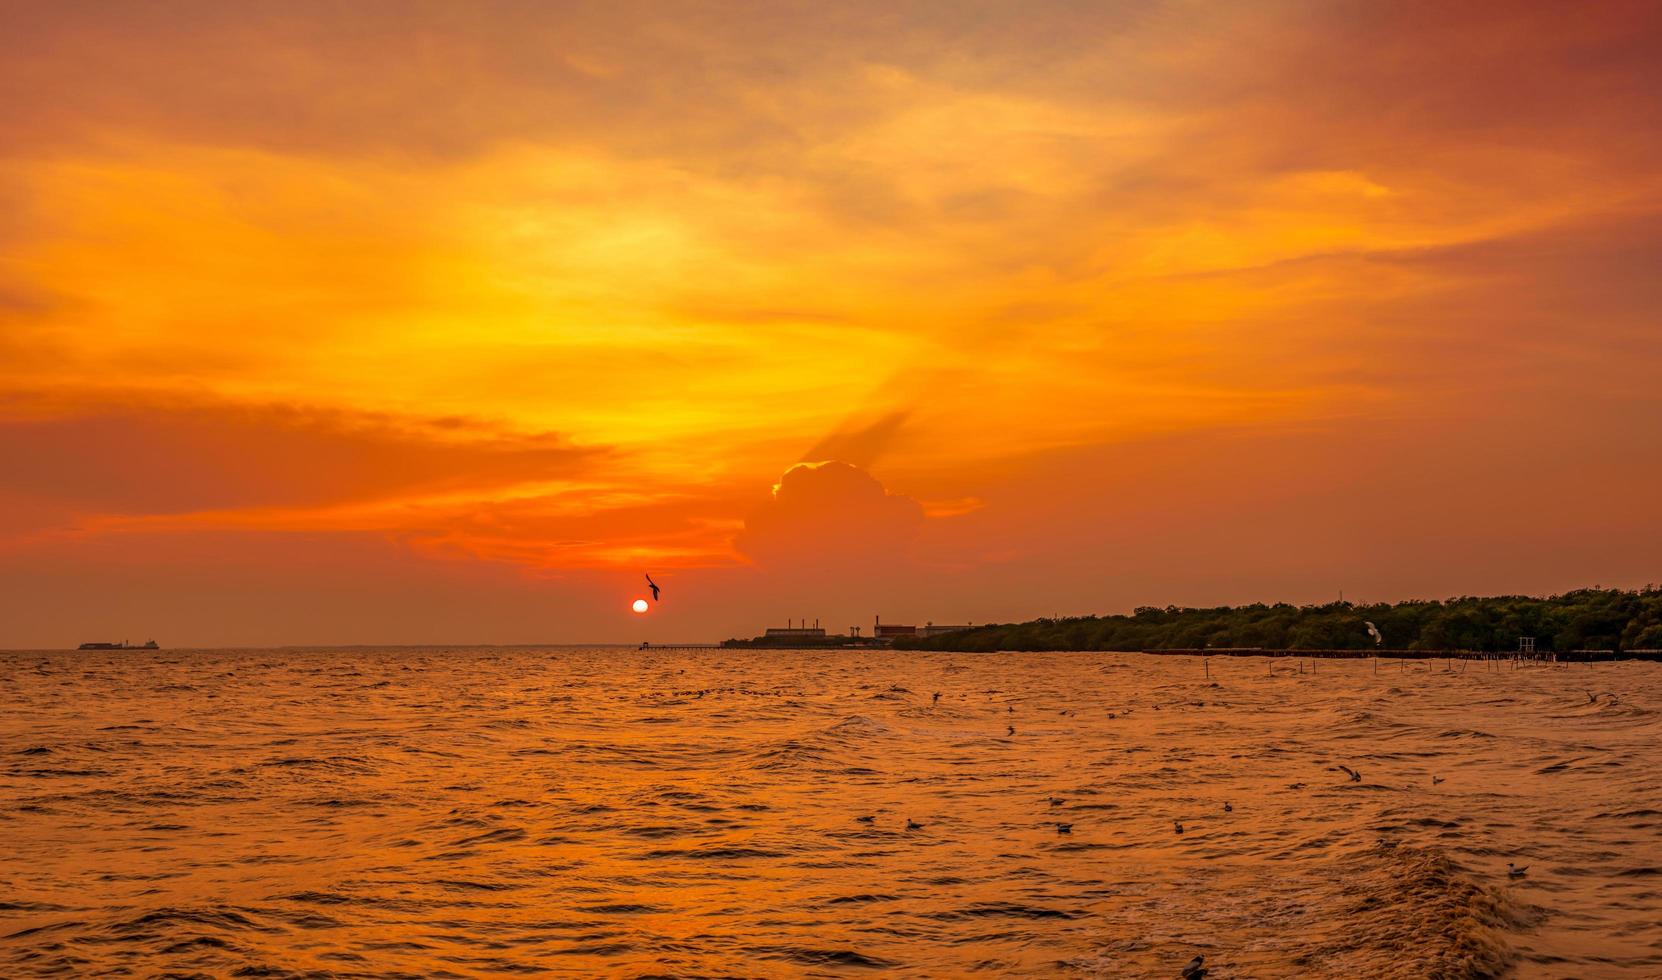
(464, 812)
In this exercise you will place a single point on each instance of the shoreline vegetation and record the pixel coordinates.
(1580, 625)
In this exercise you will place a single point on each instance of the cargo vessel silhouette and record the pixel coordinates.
(123, 645)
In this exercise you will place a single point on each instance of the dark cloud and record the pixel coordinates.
(830, 514)
(179, 457)
(860, 444)
(442, 79)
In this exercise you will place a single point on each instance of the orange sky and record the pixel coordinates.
(401, 322)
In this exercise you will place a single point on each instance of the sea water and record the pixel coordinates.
(441, 812)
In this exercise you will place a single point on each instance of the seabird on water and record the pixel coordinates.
(1193, 970)
(1515, 872)
(865, 819)
(913, 824)
(1228, 809)
(1064, 828)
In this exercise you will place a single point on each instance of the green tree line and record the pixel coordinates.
(1586, 619)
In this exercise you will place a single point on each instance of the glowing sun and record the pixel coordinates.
(639, 606)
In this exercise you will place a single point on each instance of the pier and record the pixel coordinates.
(680, 646)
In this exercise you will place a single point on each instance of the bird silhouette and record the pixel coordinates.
(1355, 776)
(865, 819)
(1436, 779)
(1177, 826)
(1193, 970)
(1055, 801)
(1064, 828)
(1228, 809)
(654, 586)
(913, 824)
(1515, 872)
(1009, 729)
(937, 698)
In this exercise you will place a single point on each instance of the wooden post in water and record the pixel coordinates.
(1206, 662)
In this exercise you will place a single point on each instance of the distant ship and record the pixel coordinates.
(123, 645)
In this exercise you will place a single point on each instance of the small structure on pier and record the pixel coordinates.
(1526, 644)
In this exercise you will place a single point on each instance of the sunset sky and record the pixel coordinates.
(408, 322)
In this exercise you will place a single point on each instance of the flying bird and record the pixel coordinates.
(1373, 631)
(1355, 776)
(654, 587)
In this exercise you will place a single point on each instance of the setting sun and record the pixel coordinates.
(639, 605)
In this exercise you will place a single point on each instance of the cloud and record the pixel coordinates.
(860, 445)
(830, 514)
(706, 236)
(175, 456)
